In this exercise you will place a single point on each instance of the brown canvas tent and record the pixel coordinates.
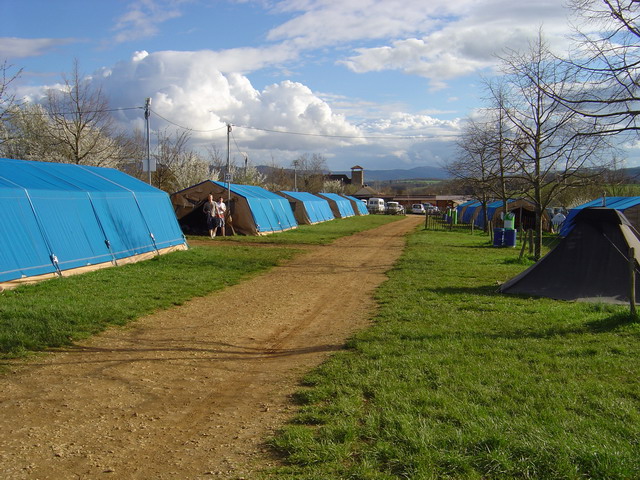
(590, 264)
(251, 210)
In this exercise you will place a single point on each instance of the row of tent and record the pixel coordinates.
(472, 212)
(58, 218)
(257, 211)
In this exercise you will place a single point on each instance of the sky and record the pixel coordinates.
(381, 84)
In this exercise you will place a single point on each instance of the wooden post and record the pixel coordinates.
(426, 221)
(531, 242)
(524, 244)
(632, 281)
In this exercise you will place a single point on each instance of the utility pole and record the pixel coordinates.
(147, 105)
(228, 175)
(295, 175)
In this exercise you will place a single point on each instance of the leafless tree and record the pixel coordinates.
(8, 101)
(607, 61)
(80, 128)
(311, 172)
(556, 147)
(177, 166)
(476, 166)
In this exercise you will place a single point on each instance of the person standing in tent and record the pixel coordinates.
(220, 210)
(209, 210)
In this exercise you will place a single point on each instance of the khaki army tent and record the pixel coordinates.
(251, 210)
(308, 208)
(340, 206)
(359, 207)
(590, 264)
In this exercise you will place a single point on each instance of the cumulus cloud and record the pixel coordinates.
(188, 89)
(465, 46)
(12, 47)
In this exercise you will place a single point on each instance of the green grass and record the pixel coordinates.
(319, 234)
(457, 381)
(58, 312)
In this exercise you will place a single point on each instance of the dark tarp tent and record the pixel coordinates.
(62, 218)
(590, 264)
(253, 210)
(629, 206)
(307, 208)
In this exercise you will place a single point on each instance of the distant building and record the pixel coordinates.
(357, 177)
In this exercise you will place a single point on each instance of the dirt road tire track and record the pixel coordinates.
(192, 392)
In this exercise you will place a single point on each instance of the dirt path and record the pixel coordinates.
(191, 392)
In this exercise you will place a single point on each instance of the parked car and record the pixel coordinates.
(431, 209)
(376, 205)
(394, 208)
(418, 209)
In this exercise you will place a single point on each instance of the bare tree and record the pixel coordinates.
(8, 102)
(311, 172)
(178, 167)
(80, 128)
(607, 61)
(476, 165)
(557, 147)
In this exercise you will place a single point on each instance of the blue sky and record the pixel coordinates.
(382, 84)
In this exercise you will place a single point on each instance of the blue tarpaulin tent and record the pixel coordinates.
(253, 210)
(58, 217)
(629, 206)
(359, 206)
(340, 206)
(307, 208)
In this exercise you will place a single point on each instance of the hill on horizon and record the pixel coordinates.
(416, 173)
(425, 172)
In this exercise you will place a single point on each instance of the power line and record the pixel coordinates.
(186, 128)
(377, 137)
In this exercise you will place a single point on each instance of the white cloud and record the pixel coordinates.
(463, 47)
(143, 17)
(189, 89)
(12, 47)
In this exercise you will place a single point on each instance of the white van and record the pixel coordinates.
(375, 205)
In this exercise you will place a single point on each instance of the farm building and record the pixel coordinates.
(59, 219)
(590, 264)
(307, 208)
(251, 210)
(359, 208)
(629, 206)
(340, 206)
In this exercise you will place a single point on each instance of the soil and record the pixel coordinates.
(194, 391)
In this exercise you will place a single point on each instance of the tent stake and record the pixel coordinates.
(632, 281)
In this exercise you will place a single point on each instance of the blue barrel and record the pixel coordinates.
(498, 237)
(510, 238)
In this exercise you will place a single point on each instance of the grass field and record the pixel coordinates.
(57, 312)
(457, 381)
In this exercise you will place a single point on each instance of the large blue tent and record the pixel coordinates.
(359, 206)
(340, 206)
(253, 210)
(60, 217)
(308, 208)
